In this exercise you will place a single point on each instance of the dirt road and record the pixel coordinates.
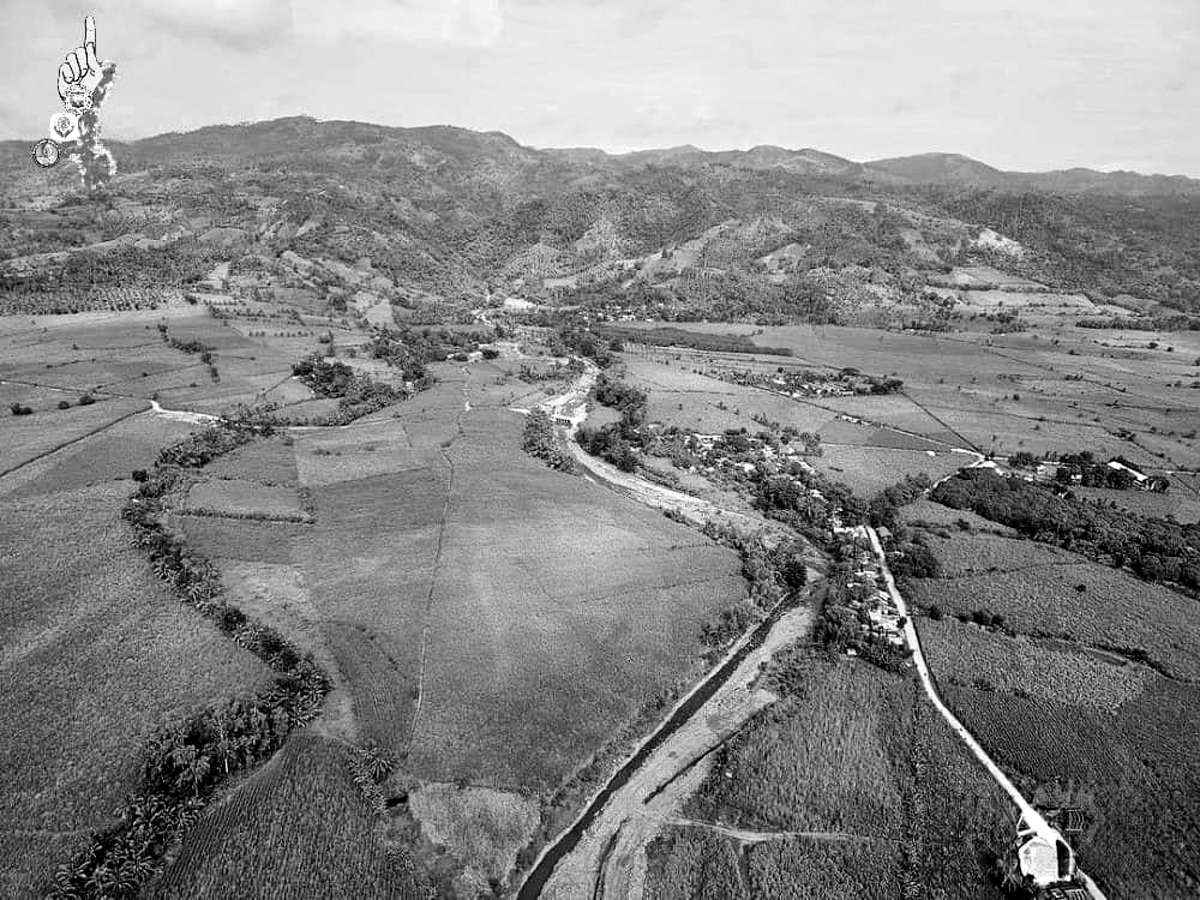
(1032, 819)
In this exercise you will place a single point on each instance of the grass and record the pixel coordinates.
(1178, 502)
(868, 470)
(852, 749)
(97, 652)
(1062, 701)
(965, 654)
(240, 539)
(1037, 590)
(268, 461)
(244, 498)
(832, 870)
(823, 754)
(687, 863)
(558, 625)
(299, 827)
(482, 827)
(108, 456)
(24, 438)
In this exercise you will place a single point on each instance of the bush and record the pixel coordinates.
(64, 404)
(538, 440)
(490, 353)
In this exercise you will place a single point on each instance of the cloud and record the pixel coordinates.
(256, 24)
(237, 24)
(471, 23)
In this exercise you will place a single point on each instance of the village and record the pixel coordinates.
(796, 383)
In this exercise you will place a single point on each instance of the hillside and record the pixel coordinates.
(450, 214)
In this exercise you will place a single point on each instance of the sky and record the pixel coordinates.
(1020, 84)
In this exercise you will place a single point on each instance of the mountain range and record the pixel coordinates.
(494, 148)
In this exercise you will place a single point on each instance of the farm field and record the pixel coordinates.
(96, 654)
(1086, 694)
(240, 497)
(1029, 392)
(853, 751)
(1045, 592)
(301, 826)
(711, 405)
(448, 643)
(24, 439)
(868, 470)
(107, 456)
(1179, 501)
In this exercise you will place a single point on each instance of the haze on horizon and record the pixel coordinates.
(1019, 84)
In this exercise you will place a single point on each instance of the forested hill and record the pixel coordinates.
(445, 212)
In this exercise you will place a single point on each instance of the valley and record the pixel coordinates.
(409, 512)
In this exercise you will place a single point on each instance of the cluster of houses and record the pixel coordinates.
(1055, 472)
(740, 456)
(878, 618)
(797, 383)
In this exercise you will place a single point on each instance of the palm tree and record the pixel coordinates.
(192, 767)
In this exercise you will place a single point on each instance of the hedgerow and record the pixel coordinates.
(185, 761)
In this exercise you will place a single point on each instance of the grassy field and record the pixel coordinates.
(1063, 697)
(690, 863)
(415, 583)
(1046, 592)
(853, 750)
(1055, 388)
(562, 627)
(110, 455)
(869, 470)
(1179, 501)
(26, 438)
(966, 654)
(241, 497)
(96, 654)
(300, 826)
(837, 870)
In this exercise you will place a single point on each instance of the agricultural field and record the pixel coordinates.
(1180, 502)
(851, 764)
(456, 649)
(1059, 389)
(413, 585)
(301, 826)
(1045, 592)
(1084, 689)
(96, 654)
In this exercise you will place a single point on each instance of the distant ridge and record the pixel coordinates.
(272, 138)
